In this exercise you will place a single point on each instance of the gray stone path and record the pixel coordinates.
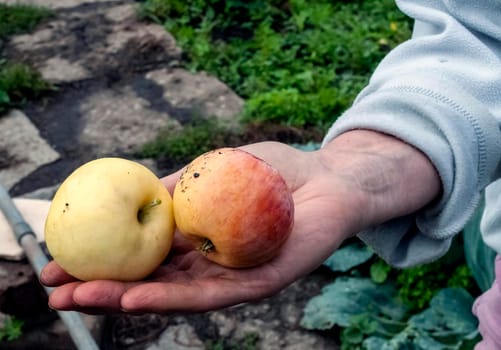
(119, 83)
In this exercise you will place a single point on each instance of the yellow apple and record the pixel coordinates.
(234, 207)
(110, 219)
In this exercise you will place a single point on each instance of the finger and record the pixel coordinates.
(290, 162)
(158, 297)
(181, 244)
(103, 295)
(53, 275)
(61, 298)
(170, 180)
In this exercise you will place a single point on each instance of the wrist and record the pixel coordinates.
(387, 177)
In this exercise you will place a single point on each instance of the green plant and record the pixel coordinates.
(249, 342)
(297, 62)
(379, 307)
(418, 285)
(16, 19)
(194, 139)
(19, 83)
(373, 317)
(380, 271)
(11, 329)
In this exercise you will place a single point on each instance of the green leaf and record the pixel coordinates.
(17, 18)
(267, 50)
(375, 343)
(12, 329)
(447, 324)
(352, 335)
(348, 297)
(373, 317)
(479, 257)
(348, 257)
(4, 97)
(410, 338)
(449, 317)
(379, 271)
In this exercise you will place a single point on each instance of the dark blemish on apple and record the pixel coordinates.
(195, 175)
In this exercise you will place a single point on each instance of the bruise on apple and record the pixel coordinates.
(235, 208)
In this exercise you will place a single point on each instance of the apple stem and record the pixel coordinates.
(144, 211)
(207, 246)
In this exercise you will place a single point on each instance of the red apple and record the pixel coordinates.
(235, 207)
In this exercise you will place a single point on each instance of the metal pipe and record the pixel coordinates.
(26, 238)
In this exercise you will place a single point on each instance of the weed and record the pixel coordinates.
(298, 62)
(195, 139)
(11, 329)
(16, 19)
(418, 285)
(249, 342)
(19, 83)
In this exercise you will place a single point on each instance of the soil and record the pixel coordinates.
(129, 332)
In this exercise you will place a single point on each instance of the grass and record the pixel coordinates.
(249, 342)
(19, 82)
(297, 63)
(17, 19)
(11, 329)
(196, 138)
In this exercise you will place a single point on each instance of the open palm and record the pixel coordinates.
(190, 282)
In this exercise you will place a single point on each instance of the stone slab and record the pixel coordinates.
(178, 337)
(121, 119)
(22, 149)
(88, 42)
(118, 121)
(202, 93)
(34, 212)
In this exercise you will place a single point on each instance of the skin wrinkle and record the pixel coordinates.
(371, 179)
(371, 165)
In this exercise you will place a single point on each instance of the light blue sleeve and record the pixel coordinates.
(440, 92)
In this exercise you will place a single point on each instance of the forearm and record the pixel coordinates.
(388, 177)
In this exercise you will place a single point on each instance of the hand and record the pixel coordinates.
(335, 197)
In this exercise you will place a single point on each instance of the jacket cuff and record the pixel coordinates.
(459, 144)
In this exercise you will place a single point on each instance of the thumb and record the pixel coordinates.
(170, 180)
